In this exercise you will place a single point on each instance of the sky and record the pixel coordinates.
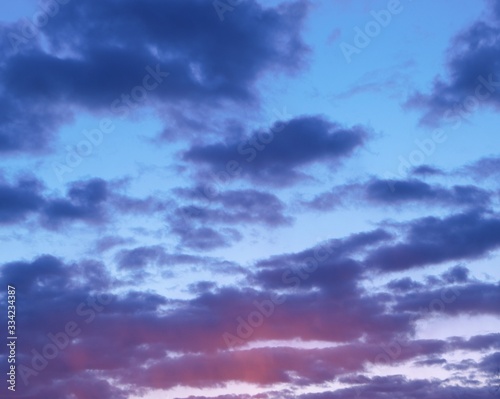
(241, 199)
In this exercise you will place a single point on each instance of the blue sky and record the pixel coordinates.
(200, 163)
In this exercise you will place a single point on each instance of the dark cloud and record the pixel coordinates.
(202, 287)
(140, 206)
(472, 299)
(399, 387)
(141, 262)
(276, 156)
(156, 255)
(26, 124)
(485, 167)
(234, 207)
(331, 199)
(330, 249)
(426, 170)
(458, 274)
(404, 284)
(129, 338)
(473, 80)
(140, 257)
(327, 266)
(85, 202)
(225, 210)
(92, 202)
(98, 62)
(399, 193)
(29, 276)
(52, 294)
(478, 342)
(433, 240)
(491, 365)
(86, 386)
(321, 293)
(258, 396)
(204, 238)
(106, 243)
(431, 362)
(18, 200)
(465, 364)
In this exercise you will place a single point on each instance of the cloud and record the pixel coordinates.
(327, 266)
(432, 240)
(233, 207)
(404, 284)
(426, 170)
(18, 200)
(472, 299)
(30, 276)
(54, 294)
(473, 79)
(484, 168)
(85, 202)
(491, 365)
(116, 65)
(140, 257)
(27, 125)
(399, 387)
(174, 342)
(403, 191)
(398, 193)
(276, 156)
(478, 342)
(93, 202)
(107, 242)
(225, 212)
(457, 274)
(203, 238)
